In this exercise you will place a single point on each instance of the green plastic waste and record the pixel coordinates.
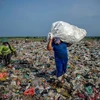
(5, 92)
(20, 69)
(89, 89)
(26, 76)
(68, 66)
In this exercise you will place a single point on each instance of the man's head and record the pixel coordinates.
(5, 43)
(56, 40)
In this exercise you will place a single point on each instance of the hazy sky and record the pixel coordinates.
(35, 17)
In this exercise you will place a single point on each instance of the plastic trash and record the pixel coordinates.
(89, 90)
(29, 92)
(3, 76)
(13, 83)
(82, 80)
(66, 32)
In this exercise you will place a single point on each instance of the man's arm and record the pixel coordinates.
(49, 45)
(1, 48)
(13, 50)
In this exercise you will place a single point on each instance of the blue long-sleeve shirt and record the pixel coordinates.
(60, 50)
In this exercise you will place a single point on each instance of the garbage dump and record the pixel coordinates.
(31, 75)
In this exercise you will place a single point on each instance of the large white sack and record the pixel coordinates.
(67, 33)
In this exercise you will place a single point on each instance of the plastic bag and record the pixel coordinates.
(50, 35)
(67, 33)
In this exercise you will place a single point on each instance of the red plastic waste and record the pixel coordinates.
(95, 97)
(30, 91)
(3, 76)
(81, 95)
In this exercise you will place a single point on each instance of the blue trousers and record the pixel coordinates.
(61, 66)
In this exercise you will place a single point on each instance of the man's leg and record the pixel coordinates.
(5, 60)
(59, 68)
(0, 58)
(8, 58)
(65, 61)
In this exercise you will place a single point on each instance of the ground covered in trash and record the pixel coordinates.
(31, 75)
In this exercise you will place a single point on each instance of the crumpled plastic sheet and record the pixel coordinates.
(67, 33)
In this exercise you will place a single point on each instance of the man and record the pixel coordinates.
(60, 54)
(6, 50)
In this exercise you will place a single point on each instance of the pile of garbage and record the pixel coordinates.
(31, 75)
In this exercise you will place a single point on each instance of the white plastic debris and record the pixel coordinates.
(66, 32)
(50, 35)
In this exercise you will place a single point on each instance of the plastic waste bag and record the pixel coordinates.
(50, 35)
(3, 76)
(30, 91)
(66, 32)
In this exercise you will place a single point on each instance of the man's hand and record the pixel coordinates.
(68, 44)
(49, 45)
(50, 35)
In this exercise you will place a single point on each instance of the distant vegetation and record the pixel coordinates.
(28, 38)
(92, 38)
(41, 38)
